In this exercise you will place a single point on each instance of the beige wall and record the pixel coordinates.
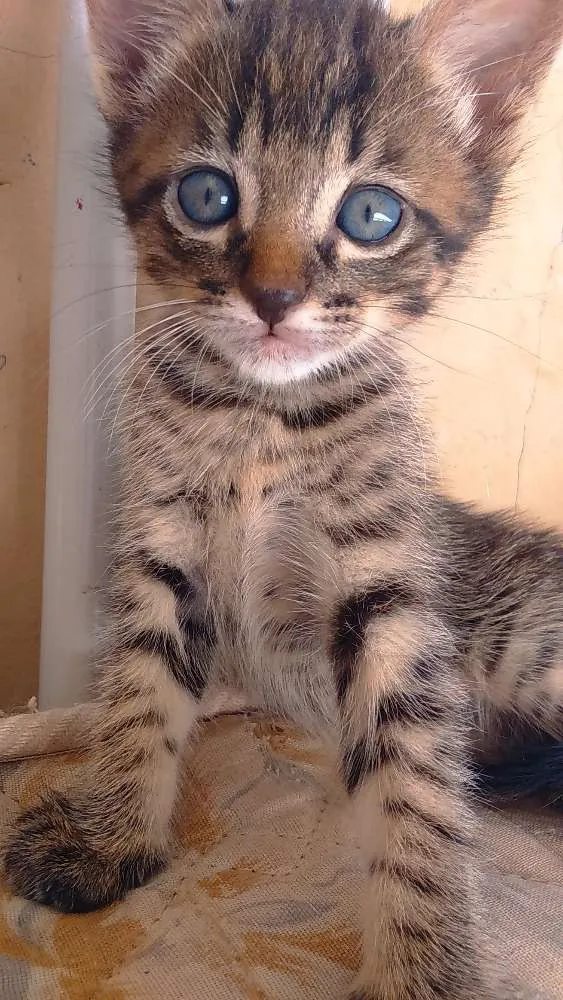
(498, 415)
(28, 82)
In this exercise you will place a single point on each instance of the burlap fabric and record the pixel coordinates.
(261, 899)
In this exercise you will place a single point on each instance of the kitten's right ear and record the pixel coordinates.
(126, 37)
(120, 43)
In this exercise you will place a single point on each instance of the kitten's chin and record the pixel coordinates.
(272, 361)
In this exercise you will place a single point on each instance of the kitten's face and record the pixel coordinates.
(303, 176)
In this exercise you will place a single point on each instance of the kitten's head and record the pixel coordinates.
(307, 173)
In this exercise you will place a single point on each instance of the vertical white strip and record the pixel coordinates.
(94, 280)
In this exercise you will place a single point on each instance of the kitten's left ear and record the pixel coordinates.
(502, 49)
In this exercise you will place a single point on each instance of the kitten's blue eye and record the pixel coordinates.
(369, 215)
(208, 197)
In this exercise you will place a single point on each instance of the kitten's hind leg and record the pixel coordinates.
(506, 607)
(81, 851)
(520, 719)
(517, 669)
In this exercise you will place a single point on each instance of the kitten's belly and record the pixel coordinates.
(276, 587)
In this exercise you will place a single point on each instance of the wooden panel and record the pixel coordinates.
(28, 100)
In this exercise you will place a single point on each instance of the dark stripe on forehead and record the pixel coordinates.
(366, 82)
(336, 79)
(357, 143)
(267, 105)
(234, 126)
(253, 47)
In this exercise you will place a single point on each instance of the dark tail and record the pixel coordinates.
(532, 772)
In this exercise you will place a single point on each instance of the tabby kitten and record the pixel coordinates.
(301, 179)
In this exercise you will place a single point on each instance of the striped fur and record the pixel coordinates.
(280, 529)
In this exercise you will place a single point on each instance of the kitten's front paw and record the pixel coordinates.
(55, 858)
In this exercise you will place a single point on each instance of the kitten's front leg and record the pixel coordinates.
(402, 762)
(111, 832)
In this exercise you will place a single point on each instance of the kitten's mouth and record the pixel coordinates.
(284, 334)
(283, 344)
(275, 353)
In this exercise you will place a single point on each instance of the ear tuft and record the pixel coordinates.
(121, 41)
(127, 34)
(501, 50)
